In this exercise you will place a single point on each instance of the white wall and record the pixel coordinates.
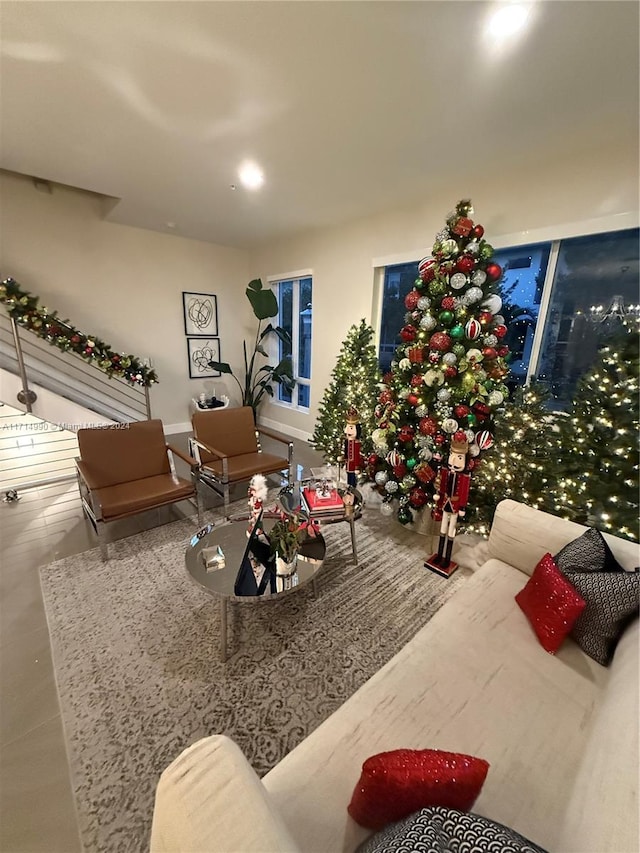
(125, 284)
(592, 190)
(122, 284)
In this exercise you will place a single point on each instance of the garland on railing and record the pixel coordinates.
(24, 308)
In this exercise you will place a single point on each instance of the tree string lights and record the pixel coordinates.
(354, 382)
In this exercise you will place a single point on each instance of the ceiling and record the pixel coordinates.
(350, 108)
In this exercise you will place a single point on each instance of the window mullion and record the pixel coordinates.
(545, 302)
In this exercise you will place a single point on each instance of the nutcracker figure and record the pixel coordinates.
(352, 446)
(452, 486)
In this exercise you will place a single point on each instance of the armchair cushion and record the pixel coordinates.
(231, 431)
(124, 499)
(124, 452)
(245, 466)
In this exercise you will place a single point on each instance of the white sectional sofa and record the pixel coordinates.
(560, 732)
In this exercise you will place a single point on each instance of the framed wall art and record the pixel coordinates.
(200, 314)
(201, 352)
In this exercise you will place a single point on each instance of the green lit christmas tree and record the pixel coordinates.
(525, 463)
(600, 440)
(447, 375)
(355, 381)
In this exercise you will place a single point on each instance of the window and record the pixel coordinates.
(594, 287)
(590, 284)
(295, 304)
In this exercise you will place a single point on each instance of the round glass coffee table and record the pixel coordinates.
(231, 538)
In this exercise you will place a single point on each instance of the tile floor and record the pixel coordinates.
(37, 810)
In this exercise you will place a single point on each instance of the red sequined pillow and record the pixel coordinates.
(550, 603)
(398, 783)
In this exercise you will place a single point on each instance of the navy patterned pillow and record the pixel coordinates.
(612, 601)
(587, 553)
(441, 830)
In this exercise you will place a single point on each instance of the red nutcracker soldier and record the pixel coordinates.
(452, 484)
(352, 446)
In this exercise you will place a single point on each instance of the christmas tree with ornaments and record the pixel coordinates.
(447, 377)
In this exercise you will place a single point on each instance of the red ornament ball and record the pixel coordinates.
(386, 396)
(461, 411)
(416, 380)
(448, 303)
(493, 271)
(502, 351)
(440, 341)
(372, 460)
(411, 300)
(500, 331)
(485, 317)
(413, 399)
(75, 339)
(427, 269)
(489, 353)
(428, 426)
(408, 333)
(399, 470)
(482, 410)
(406, 433)
(450, 371)
(439, 438)
(417, 497)
(465, 264)
(477, 231)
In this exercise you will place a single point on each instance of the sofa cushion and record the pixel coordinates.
(587, 553)
(395, 784)
(441, 830)
(550, 603)
(612, 600)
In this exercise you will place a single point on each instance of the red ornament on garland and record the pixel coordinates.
(500, 331)
(477, 231)
(413, 400)
(485, 317)
(399, 470)
(489, 353)
(450, 371)
(406, 433)
(461, 411)
(448, 303)
(502, 351)
(416, 381)
(386, 396)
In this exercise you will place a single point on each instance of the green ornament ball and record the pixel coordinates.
(411, 462)
(446, 317)
(486, 251)
(472, 420)
(461, 312)
(437, 288)
(405, 516)
(459, 350)
(457, 332)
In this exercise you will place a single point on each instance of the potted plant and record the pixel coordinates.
(285, 538)
(258, 381)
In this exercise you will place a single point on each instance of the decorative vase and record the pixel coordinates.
(284, 568)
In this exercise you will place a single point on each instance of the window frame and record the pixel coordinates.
(274, 282)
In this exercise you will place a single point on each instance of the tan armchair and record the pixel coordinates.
(226, 443)
(127, 469)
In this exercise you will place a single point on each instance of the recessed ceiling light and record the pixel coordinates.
(508, 20)
(251, 176)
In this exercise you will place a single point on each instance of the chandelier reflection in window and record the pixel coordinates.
(616, 310)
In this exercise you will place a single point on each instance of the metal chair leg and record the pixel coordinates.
(102, 541)
(226, 500)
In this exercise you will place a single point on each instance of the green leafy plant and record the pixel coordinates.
(286, 536)
(259, 381)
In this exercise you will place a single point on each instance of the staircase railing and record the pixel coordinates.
(63, 360)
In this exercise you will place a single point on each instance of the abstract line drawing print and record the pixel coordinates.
(201, 352)
(200, 314)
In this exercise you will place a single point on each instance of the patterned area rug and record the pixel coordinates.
(135, 647)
